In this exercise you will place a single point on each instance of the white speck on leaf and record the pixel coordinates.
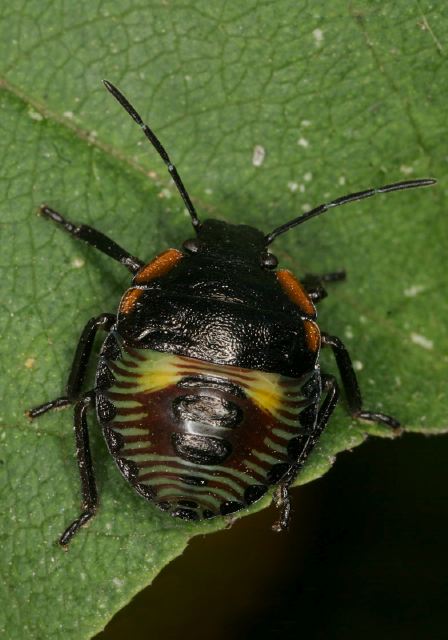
(258, 155)
(69, 115)
(318, 36)
(348, 333)
(165, 193)
(305, 123)
(78, 263)
(422, 341)
(406, 170)
(358, 365)
(342, 180)
(413, 291)
(118, 583)
(303, 142)
(293, 186)
(308, 176)
(35, 115)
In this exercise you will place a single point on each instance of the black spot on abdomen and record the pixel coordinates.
(208, 409)
(201, 449)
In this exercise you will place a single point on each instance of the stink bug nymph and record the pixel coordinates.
(208, 388)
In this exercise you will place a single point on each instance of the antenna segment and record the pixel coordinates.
(359, 195)
(159, 148)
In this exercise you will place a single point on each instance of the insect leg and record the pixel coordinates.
(94, 238)
(313, 283)
(351, 386)
(86, 473)
(327, 407)
(283, 503)
(79, 365)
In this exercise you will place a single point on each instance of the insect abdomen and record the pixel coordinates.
(203, 439)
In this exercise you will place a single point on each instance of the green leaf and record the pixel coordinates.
(341, 96)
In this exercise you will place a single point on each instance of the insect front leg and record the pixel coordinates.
(351, 386)
(94, 238)
(78, 370)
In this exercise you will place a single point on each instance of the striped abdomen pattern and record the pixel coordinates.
(202, 439)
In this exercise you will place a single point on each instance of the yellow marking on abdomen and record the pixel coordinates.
(271, 392)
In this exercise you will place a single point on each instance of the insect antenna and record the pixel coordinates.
(359, 195)
(159, 148)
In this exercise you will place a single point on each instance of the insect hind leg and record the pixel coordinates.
(85, 466)
(281, 496)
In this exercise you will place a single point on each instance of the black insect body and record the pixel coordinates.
(208, 387)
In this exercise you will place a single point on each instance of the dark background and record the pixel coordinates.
(365, 558)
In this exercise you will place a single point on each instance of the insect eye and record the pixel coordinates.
(268, 260)
(191, 245)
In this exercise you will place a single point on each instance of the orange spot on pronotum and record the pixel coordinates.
(295, 292)
(129, 300)
(312, 334)
(162, 264)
